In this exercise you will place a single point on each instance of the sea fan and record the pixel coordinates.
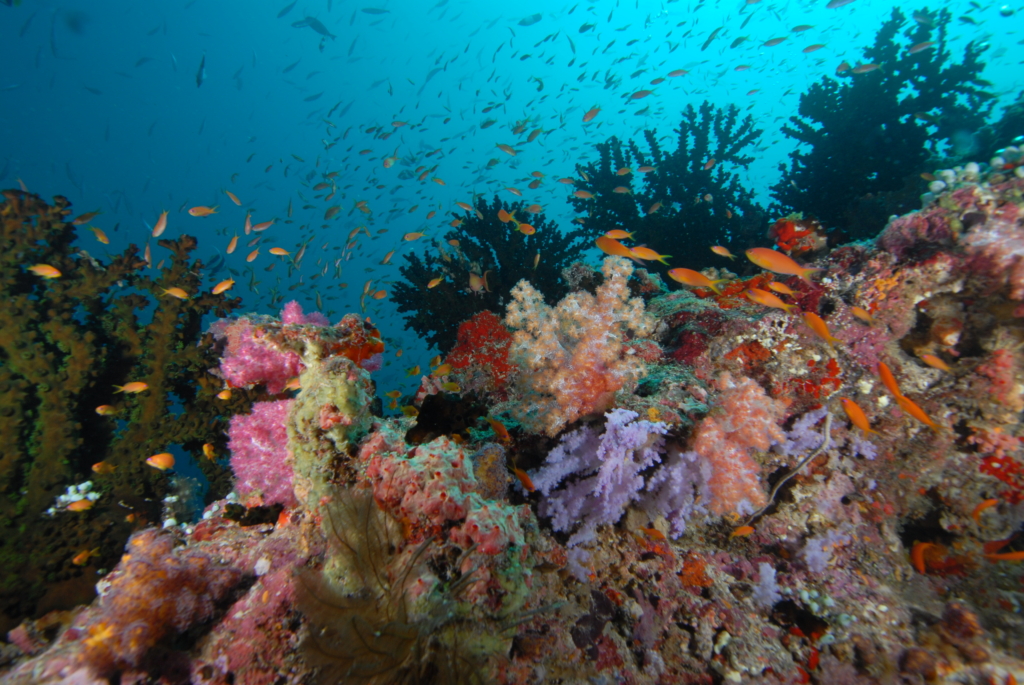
(367, 633)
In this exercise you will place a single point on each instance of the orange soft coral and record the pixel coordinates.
(571, 355)
(745, 418)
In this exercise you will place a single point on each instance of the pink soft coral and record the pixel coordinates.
(250, 360)
(744, 418)
(260, 457)
(571, 355)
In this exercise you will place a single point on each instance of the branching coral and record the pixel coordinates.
(571, 355)
(870, 135)
(696, 187)
(65, 344)
(480, 262)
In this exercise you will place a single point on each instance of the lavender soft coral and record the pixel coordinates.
(608, 467)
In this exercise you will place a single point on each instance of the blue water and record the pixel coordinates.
(100, 101)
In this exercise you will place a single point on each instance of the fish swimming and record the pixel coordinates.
(201, 72)
(314, 24)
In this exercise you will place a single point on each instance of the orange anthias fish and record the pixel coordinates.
(80, 505)
(160, 226)
(613, 247)
(741, 532)
(781, 288)
(816, 324)
(499, 430)
(591, 113)
(203, 211)
(982, 506)
(162, 461)
(176, 293)
(234, 198)
(45, 271)
(132, 388)
(524, 479)
(934, 362)
(223, 286)
(889, 380)
(103, 468)
(763, 297)
(908, 406)
(619, 234)
(695, 279)
(856, 415)
(723, 252)
(769, 259)
(647, 254)
(864, 315)
(82, 558)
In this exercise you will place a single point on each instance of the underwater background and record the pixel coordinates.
(175, 174)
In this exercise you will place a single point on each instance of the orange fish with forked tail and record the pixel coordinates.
(768, 299)
(695, 279)
(771, 260)
(613, 247)
(856, 415)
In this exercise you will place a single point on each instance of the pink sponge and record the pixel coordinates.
(259, 454)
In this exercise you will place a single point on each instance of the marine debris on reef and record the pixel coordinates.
(71, 443)
(659, 486)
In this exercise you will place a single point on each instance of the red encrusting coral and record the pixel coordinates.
(480, 357)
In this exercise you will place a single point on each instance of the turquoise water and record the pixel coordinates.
(138, 108)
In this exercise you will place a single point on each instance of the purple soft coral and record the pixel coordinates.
(611, 465)
(259, 454)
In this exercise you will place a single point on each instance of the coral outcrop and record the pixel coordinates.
(67, 343)
(704, 489)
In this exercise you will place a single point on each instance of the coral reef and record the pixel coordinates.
(479, 263)
(66, 345)
(870, 130)
(757, 495)
(677, 199)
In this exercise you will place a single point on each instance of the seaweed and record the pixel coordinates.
(66, 343)
(372, 630)
(869, 133)
(693, 197)
(483, 247)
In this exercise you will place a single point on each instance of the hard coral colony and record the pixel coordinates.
(810, 471)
